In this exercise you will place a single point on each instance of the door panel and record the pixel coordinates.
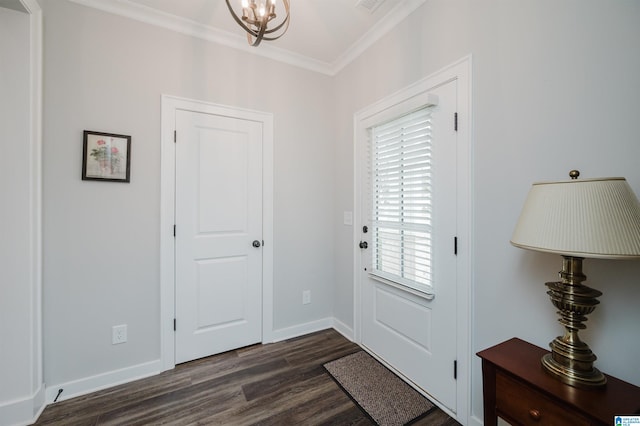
(409, 320)
(218, 215)
(223, 158)
(221, 306)
(411, 331)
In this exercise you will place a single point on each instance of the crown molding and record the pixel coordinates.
(191, 28)
(386, 24)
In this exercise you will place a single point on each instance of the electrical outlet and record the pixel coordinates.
(306, 297)
(119, 334)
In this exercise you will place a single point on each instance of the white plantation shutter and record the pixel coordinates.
(401, 198)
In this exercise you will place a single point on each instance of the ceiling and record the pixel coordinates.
(323, 35)
(13, 4)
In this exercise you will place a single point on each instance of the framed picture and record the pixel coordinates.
(106, 156)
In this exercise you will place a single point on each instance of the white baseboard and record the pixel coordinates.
(22, 411)
(102, 381)
(301, 329)
(343, 329)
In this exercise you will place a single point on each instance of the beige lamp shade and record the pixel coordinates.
(592, 218)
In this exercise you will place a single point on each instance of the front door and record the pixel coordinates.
(414, 329)
(218, 214)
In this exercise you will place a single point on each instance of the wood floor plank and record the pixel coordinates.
(328, 406)
(280, 401)
(281, 383)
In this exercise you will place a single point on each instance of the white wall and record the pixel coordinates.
(21, 388)
(555, 87)
(107, 73)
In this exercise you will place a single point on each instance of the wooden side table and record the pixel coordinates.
(517, 389)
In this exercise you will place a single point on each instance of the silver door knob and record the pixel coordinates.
(256, 243)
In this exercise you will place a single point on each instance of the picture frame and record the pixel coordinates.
(106, 157)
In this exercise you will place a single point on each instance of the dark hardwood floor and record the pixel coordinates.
(276, 384)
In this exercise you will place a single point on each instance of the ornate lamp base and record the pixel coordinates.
(589, 377)
(571, 360)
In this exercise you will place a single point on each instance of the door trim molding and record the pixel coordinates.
(170, 104)
(461, 71)
(24, 409)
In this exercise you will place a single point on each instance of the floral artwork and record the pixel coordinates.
(106, 157)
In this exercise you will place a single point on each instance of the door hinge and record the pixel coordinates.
(455, 245)
(455, 121)
(174, 230)
(175, 136)
(455, 369)
(174, 324)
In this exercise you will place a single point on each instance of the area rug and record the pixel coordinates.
(382, 395)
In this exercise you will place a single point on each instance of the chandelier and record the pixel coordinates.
(256, 16)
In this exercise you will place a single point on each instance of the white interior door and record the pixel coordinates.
(218, 213)
(415, 331)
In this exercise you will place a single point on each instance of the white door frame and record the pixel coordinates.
(460, 71)
(170, 104)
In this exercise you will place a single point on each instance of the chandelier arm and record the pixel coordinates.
(273, 38)
(250, 39)
(276, 29)
(260, 36)
(283, 23)
(273, 30)
(239, 21)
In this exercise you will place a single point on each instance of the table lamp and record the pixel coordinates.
(586, 218)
